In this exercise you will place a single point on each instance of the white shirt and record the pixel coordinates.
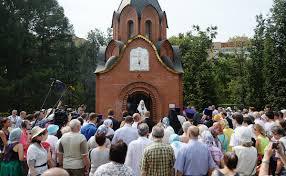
(84, 123)
(247, 158)
(234, 139)
(40, 155)
(268, 126)
(135, 153)
(15, 121)
(250, 127)
(182, 119)
(127, 133)
(91, 143)
(52, 140)
(167, 133)
(260, 122)
(110, 132)
(135, 124)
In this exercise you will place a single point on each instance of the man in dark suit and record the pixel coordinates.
(115, 122)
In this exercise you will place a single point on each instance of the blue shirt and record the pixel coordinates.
(194, 159)
(88, 130)
(41, 123)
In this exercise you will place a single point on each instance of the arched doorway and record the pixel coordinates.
(136, 91)
(134, 99)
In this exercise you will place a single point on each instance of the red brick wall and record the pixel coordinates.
(164, 27)
(110, 84)
(128, 13)
(149, 13)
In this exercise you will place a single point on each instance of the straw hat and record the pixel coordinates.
(36, 131)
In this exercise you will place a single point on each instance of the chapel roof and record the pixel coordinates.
(139, 5)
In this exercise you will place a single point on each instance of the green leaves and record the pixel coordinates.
(198, 75)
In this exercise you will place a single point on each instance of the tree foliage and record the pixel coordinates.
(37, 43)
(253, 75)
(198, 79)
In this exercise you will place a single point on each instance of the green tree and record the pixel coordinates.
(256, 77)
(275, 55)
(198, 79)
(89, 51)
(35, 45)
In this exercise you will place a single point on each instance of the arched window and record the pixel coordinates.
(130, 28)
(148, 29)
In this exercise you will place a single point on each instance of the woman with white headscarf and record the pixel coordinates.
(216, 153)
(246, 153)
(110, 132)
(102, 129)
(168, 130)
(175, 143)
(14, 154)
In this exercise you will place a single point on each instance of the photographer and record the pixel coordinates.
(270, 149)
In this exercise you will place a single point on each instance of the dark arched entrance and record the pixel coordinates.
(134, 99)
(142, 90)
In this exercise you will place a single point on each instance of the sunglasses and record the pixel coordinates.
(42, 133)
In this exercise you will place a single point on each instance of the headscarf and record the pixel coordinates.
(102, 129)
(175, 140)
(202, 128)
(15, 135)
(166, 122)
(207, 138)
(52, 129)
(175, 143)
(107, 122)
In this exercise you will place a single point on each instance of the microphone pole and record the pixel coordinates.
(53, 81)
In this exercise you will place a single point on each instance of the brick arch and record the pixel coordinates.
(166, 49)
(111, 50)
(146, 89)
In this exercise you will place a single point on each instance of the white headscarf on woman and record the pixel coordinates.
(108, 123)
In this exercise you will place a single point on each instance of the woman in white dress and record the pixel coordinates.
(37, 155)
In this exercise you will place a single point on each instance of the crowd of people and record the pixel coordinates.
(218, 141)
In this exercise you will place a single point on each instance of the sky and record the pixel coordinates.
(232, 17)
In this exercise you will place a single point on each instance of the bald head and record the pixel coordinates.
(55, 172)
(147, 114)
(193, 132)
(136, 117)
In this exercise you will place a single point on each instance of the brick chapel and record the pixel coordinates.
(139, 63)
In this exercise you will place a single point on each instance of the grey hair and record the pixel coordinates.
(74, 123)
(158, 132)
(186, 126)
(143, 129)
